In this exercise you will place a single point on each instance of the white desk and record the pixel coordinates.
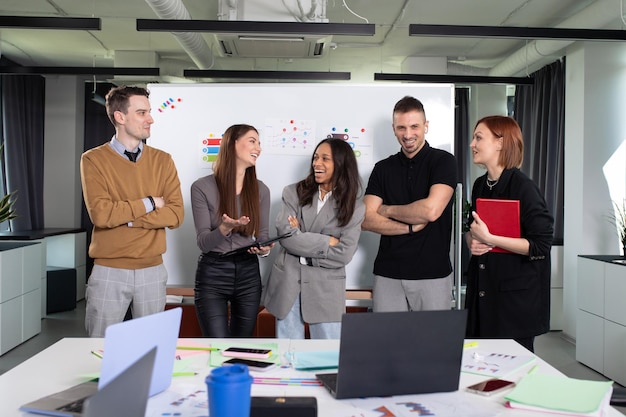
(62, 364)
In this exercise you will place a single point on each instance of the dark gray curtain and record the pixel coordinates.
(540, 112)
(3, 184)
(98, 130)
(22, 101)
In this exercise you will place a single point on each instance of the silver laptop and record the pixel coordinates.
(397, 353)
(124, 343)
(125, 395)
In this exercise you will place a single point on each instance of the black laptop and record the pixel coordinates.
(398, 353)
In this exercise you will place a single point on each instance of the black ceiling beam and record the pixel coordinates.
(268, 75)
(229, 26)
(80, 70)
(71, 23)
(457, 79)
(516, 32)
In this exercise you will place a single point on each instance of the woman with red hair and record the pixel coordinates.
(508, 293)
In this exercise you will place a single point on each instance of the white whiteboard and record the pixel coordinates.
(189, 116)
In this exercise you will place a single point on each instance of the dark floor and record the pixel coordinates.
(552, 347)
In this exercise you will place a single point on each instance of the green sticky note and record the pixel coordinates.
(182, 366)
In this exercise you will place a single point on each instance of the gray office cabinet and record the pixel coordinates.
(21, 269)
(601, 320)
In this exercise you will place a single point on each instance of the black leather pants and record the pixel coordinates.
(220, 281)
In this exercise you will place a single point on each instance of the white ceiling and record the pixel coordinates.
(362, 56)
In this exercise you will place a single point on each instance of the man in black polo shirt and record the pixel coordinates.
(408, 202)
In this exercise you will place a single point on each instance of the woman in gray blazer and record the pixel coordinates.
(307, 283)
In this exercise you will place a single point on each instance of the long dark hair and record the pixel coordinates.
(346, 180)
(225, 170)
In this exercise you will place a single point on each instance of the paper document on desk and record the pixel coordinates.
(444, 404)
(555, 393)
(493, 364)
(316, 360)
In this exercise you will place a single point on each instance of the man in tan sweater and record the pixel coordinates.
(132, 193)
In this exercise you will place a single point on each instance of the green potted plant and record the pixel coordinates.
(619, 219)
(7, 209)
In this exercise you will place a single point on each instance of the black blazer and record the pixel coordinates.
(508, 295)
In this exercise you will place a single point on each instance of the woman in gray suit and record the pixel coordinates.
(307, 283)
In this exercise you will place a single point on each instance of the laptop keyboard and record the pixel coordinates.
(73, 407)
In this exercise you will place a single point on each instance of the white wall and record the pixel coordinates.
(594, 130)
(485, 100)
(63, 145)
(573, 200)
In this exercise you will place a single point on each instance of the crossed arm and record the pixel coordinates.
(394, 220)
(108, 209)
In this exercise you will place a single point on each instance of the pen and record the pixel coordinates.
(184, 373)
(207, 348)
(286, 379)
(470, 344)
(532, 370)
(96, 354)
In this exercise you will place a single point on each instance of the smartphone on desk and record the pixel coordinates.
(252, 364)
(490, 386)
(239, 352)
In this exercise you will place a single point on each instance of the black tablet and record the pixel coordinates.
(257, 244)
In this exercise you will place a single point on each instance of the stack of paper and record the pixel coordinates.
(560, 394)
(173, 299)
(493, 364)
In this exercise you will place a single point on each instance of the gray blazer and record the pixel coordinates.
(322, 285)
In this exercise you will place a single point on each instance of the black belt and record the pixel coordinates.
(234, 257)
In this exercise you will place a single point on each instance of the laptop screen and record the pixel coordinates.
(398, 353)
(125, 342)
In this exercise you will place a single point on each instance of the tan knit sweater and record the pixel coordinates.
(114, 189)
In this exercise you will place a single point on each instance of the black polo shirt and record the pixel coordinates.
(399, 180)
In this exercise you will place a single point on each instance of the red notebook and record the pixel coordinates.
(501, 217)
